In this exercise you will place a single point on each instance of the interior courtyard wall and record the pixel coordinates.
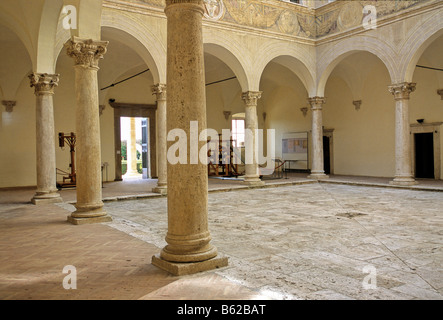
(18, 127)
(363, 139)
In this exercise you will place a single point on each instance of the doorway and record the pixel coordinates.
(424, 155)
(147, 131)
(135, 147)
(326, 155)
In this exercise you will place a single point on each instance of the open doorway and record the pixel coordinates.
(424, 155)
(145, 132)
(134, 148)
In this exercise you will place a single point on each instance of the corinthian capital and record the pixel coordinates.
(401, 91)
(160, 91)
(251, 98)
(86, 52)
(44, 83)
(316, 102)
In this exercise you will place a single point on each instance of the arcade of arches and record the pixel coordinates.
(371, 98)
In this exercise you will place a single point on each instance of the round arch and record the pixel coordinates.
(297, 59)
(330, 58)
(231, 53)
(45, 55)
(148, 46)
(417, 43)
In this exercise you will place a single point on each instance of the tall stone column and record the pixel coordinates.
(252, 176)
(86, 54)
(44, 85)
(160, 92)
(403, 159)
(317, 171)
(189, 249)
(131, 151)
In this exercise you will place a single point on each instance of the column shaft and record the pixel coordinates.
(403, 159)
(45, 138)
(317, 170)
(86, 54)
(189, 249)
(252, 174)
(160, 92)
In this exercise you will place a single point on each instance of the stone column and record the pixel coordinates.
(252, 176)
(317, 171)
(403, 159)
(189, 249)
(44, 85)
(160, 91)
(86, 54)
(131, 151)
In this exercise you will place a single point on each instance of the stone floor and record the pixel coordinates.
(294, 239)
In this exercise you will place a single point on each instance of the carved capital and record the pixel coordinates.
(316, 102)
(9, 105)
(251, 98)
(86, 52)
(401, 91)
(304, 111)
(227, 114)
(440, 93)
(160, 91)
(44, 83)
(357, 104)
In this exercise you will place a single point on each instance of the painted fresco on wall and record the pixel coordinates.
(292, 19)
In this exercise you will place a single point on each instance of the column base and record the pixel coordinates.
(318, 176)
(87, 214)
(254, 182)
(180, 268)
(402, 181)
(79, 221)
(163, 190)
(46, 198)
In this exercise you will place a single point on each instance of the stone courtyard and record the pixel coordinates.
(311, 241)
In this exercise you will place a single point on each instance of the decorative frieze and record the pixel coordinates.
(44, 83)
(292, 19)
(86, 52)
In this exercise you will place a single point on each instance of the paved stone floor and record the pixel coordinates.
(302, 241)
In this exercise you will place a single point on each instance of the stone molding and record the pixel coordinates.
(9, 105)
(44, 83)
(86, 52)
(402, 91)
(251, 98)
